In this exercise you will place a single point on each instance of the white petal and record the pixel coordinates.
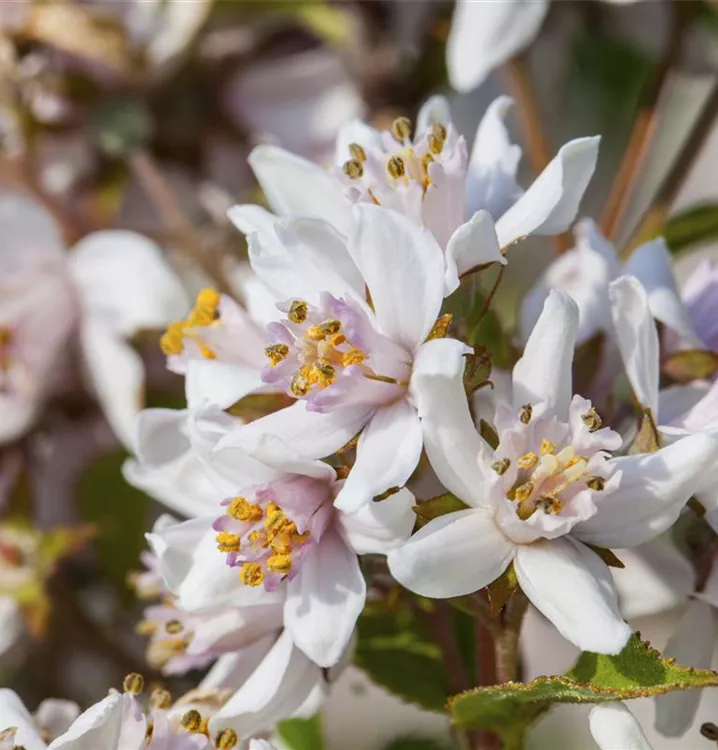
(614, 727)
(543, 374)
(434, 111)
(30, 236)
(403, 267)
(296, 186)
(692, 646)
(99, 726)
(14, 714)
(657, 578)
(637, 339)
(325, 600)
(249, 219)
(276, 689)
(359, 132)
(653, 489)
(572, 587)
(124, 281)
(234, 669)
(117, 377)
(379, 527)
(219, 383)
(550, 205)
(55, 716)
(453, 555)
(472, 244)
(491, 179)
(263, 744)
(387, 455)
(314, 435)
(651, 264)
(486, 34)
(451, 441)
(12, 625)
(675, 401)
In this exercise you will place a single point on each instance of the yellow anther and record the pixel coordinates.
(395, 167)
(298, 311)
(227, 542)
(401, 129)
(251, 574)
(314, 333)
(281, 544)
(528, 460)
(192, 721)
(205, 351)
(523, 492)
(357, 152)
(299, 385)
(324, 373)
(547, 447)
(161, 698)
(133, 683)
(438, 131)
(280, 564)
(436, 145)
(205, 308)
(596, 483)
(592, 420)
(226, 740)
(330, 326)
(276, 353)
(353, 356)
(255, 537)
(173, 627)
(525, 413)
(337, 340)
(146, 628)
(244, 511)
(502, 466)
(172, 341)
(353, 169)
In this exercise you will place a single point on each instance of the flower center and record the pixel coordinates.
(205, 313)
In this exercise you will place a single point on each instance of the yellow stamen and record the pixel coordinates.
(547, 447)
(523, 492)
(525, 413)
(395, 167)
(353, 169)
(298, 311)
(280, 564)
(438, 131)
(401, 129)
(596, 483)
(146, 628)
(192, 721)
(226, 740)
(502, 466)
(172, 341)
(251, 574)
(314, 333)
(133, 683)
(324, 373)
(205, 308)
(227, 542)
(173, 627)
(276, 353)
(299, 385)
(161, 698)
(354, 356)
(357, 152)
(592, 420)
(244, 511)
(528, 460)
(436, 145)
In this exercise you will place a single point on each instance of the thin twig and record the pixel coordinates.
(149, 175)
(507, 646)
(654, 217)
(644, 128)
(490, 298)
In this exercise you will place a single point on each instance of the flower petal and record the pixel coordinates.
(651, 265)
(403, 267)
(451, 441)
(690, 645)
(613, 726)
(14, 714)
(325, 600)
(491, 180)
(296, 186)
(99, 726)
(434, 111)
(637, 339)
(387, 455)
(652, 490)
(453, 555)
(378, 527)
(550, 205)
(124, 282)
(12, 624)
(359, 132)
(472, 244)
(486, 34)
(572, 587)
(234, 669)
(543, 374)
(219, 383)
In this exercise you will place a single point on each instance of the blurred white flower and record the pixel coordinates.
(613, 726)
(549, 489)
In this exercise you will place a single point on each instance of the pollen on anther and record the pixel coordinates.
(527, 461)
(596, 483)
(523, 492)
(525, 413)
(502, 466)
(192, 721)
(298, 311)
(226, 740)
(547, 447)
(173, 627)
(357, 152)
(401, 129)
(134, 683)
(592, 419)
(395, 167)
(353, 169)
(276, 353)
(281, 564)
(251, 574)
(160, 698)
(353, 356)
(227, 542)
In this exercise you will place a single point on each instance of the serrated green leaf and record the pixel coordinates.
(438, 506)
(637, 672)
(302, 734)
(692, 227)
(690, 365)
(396, 650)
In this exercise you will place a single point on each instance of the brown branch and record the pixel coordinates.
(441, 626)
(654, 217)
(507, 646)
(644, 127)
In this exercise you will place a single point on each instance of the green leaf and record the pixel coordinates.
(637, 672)
(302, 734)
(397, 652)
(690, 365)
(692, 227)
(438, 506)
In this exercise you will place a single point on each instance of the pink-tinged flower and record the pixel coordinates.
(700, 296)
(109, 286)
(472, 204)
(348, 363)
(613, 726)
(279, 539)
(550, 488)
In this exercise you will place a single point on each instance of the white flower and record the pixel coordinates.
(486, 33)
(614, 727)
(109, 286)
(12, 625)
(473, 206)
(549, 489)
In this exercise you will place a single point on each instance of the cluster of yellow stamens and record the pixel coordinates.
(274, 540)
(203, 314)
